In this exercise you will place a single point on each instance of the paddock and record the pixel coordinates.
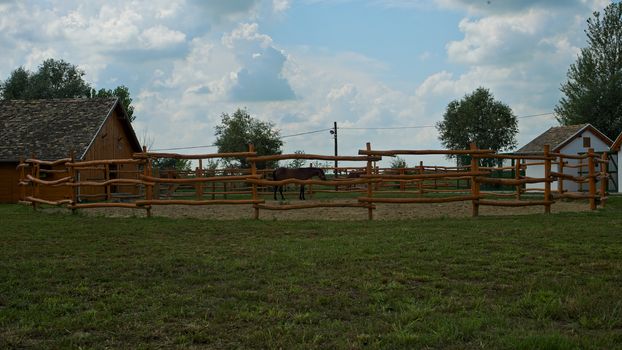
(411, 191)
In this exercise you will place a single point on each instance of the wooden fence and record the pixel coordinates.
(145, 187)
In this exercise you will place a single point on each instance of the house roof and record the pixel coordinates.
(617, 143)
(558, 137)
(52, 129)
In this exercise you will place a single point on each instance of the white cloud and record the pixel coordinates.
(159, 37)
(248, 32)
(280, 6)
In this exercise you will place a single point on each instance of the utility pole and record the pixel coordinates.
(334, 132)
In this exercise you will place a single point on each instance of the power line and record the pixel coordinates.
(345, 128)
(214, 145)
(180, 148)
(535, 115)
(388, 127)
(306, 133)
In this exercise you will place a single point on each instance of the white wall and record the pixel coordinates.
(536, 171)
(576, 147)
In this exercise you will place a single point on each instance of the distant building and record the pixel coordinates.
(570, 139)
(91, 129)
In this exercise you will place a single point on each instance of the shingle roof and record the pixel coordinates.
(555, 137)
(51, 129)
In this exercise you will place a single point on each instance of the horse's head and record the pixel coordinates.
(320, 174)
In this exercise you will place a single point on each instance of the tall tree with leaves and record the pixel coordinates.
(58, 79)
(478, 118)
(123, 93)
(53, 79)
(172, 164)
(16, 87)
(240, 129)
(593, 92)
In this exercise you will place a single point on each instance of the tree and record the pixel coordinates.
(480, 119)
(398, 163)
(237, 131)
(593, 92)
(297, 163)
(58, 79)
(123, 93)
(16, 87)
(53, 79)
(172, 164)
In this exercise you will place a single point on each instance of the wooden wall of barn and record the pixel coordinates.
(112, 142)
(9, 191)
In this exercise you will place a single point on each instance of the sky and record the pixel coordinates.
(384, 70)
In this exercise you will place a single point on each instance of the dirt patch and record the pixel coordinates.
(382, 212)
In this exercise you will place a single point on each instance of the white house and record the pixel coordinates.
(570, 139)
(614, 162)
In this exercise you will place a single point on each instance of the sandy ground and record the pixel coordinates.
(382, 211)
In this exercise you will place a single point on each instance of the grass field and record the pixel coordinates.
(528, 282)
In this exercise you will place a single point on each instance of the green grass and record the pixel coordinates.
(528, 282)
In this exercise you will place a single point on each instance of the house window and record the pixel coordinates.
(587, 142)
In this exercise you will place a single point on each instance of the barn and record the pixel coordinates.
(614, 163)
(90, 129)
(569, 139)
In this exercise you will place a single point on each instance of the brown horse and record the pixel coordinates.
(356, 174)
(296, 173)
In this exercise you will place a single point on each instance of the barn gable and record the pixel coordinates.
(560, 136)
(52, 129)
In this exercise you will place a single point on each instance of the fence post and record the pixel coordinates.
(474, 183)
(560, 182)
(592, 177)
(580, 173)
(421, 171)
(74, 179)
(199, 185)
(517, 167)
(224, 184)
(35, 186)
(148, 188)
(547, 179)
(604, 179)
(214, 187)
(370, 193)
(251, 148)
(106, 178)
(402, 183)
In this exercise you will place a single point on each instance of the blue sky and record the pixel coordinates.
(303, 64)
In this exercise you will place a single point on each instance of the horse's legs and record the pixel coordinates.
(301, 196)
(281, 192)
(275, 188)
